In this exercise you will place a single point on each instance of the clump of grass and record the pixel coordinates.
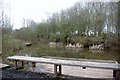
(10, 47)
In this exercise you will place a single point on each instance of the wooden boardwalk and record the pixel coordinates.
(58, 62)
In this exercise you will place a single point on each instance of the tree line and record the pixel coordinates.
(87, 23)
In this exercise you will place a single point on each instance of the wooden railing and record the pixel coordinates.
(59, 62)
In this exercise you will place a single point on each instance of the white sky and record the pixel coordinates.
(36, 9)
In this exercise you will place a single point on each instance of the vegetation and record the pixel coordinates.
(89, 21)
(88, 24)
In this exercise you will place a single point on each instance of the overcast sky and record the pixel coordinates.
(36, 9)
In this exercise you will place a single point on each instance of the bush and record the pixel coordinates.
(86, 41)
(55, 38)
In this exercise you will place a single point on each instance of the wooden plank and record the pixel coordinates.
(79, 59)
(91, 64)
(3, 66)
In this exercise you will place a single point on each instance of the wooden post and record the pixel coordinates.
(60, 70)
(33, 64)
(15, 64)
(56, 72)
(116, 73)
(55, 69)
(22, 64)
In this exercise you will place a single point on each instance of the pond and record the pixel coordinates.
(45, 50)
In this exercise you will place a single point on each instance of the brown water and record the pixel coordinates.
(84, 54)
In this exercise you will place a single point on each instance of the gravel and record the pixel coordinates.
(20, 74)
(28, 75)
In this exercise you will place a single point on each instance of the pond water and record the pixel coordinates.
(45, 50)
(39, 51)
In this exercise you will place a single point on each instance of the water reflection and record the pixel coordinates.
(84, 54)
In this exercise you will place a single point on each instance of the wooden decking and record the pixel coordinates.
(58, 62)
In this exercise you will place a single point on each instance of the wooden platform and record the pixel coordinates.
(3, 66)
(58, 62)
